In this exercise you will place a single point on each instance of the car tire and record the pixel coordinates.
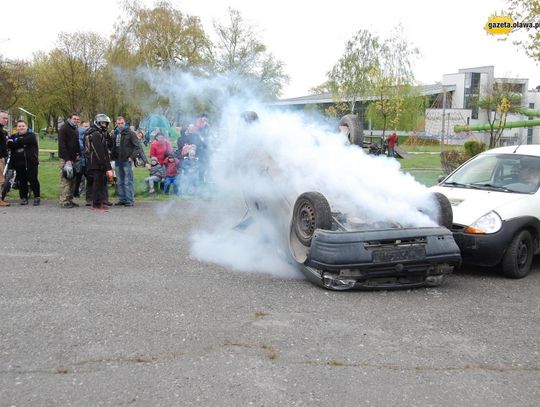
(311, 211)
(519, 255)
(356, 133)
(445, 216)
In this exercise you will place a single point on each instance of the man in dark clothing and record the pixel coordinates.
(25, 161)
(69, 153)
(98, 161)
(126, 149)
(4, 118)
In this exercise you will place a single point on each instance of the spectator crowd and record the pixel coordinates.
(93, 156)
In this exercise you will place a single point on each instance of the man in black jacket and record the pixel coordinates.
(98, 161)
(4, 118)
(126, 149)
(69, 153)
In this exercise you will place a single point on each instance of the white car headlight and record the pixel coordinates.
(489, 223)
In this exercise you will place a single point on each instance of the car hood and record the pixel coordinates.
(470, 204)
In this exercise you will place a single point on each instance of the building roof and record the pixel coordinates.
(424, 90)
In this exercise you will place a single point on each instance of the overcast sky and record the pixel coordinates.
(307, 36)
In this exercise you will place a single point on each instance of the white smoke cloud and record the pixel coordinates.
(274, 160)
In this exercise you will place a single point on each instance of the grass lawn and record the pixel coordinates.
(424, 166)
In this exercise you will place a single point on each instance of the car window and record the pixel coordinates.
(508, 172)
(477, 170)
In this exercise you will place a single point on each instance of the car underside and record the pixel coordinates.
(340, 252)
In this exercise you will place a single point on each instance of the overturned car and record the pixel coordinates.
(339, 250)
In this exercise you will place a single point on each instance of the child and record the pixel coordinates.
(171, 173)
(157, 173)
(190, 173)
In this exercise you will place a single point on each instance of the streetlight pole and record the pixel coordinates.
(442, 117)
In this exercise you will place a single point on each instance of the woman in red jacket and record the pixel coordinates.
(160, 148)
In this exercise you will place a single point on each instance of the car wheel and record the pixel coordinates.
(356, 133)
(445, 216)
(517, 261)
(311, 211)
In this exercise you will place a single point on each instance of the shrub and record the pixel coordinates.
(473, 147)
(452, 159)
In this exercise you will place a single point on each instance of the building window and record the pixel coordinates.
(472, 92)
(529, 135)
(531, 105)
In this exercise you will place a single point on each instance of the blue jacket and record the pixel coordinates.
(81, 145)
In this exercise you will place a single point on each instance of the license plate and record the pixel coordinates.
(390, 255)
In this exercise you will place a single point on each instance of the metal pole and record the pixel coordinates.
(442, 117)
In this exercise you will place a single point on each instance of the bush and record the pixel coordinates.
(450, 160)
(473, 147)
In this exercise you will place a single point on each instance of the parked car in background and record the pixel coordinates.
(496, 207)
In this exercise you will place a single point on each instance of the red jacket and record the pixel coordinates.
(392, 140)
(160, 151)
(171, 167)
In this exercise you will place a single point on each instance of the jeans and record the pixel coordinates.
(124, 181)
(151, 180)
(174, 182)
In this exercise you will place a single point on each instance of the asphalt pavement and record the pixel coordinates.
(111, 309)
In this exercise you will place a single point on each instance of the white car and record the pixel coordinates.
(496, 207)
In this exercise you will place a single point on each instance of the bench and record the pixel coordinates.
(52, 153)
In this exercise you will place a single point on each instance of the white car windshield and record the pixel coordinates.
(500, 172)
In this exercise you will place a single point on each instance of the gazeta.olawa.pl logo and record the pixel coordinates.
(503, 24)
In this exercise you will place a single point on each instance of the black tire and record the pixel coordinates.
(445, 216)
(356, 132)
(518, 258)
(311, 211)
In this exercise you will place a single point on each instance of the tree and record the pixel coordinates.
(238, 51)
(527, 11)
(350, 78)
(498, 101)
(14, 79)
(405, 112)
(159, 37)
(391, 79)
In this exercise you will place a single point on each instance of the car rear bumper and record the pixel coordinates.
(390, 258)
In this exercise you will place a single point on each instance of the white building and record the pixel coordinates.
(469, 85)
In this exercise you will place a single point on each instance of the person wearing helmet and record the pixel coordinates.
(69, 153)
(98, 161)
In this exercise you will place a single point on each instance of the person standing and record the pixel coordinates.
(25, 161)
(98, 161)
(4, 118)
(392, 143)
(80, 183)
(69, 153)
(160, 148)
(126, 149)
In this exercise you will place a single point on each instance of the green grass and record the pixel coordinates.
(425, 168)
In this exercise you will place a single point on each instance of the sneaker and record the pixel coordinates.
(108, 203)
(66, 205)
(37, 201)
(74, 204)
(129, 204)
(88, 204)
(4, 203)
(24, 201)
(152, 191)
(120, 203)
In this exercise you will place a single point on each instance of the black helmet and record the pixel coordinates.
(250, 116)
(102, 121)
